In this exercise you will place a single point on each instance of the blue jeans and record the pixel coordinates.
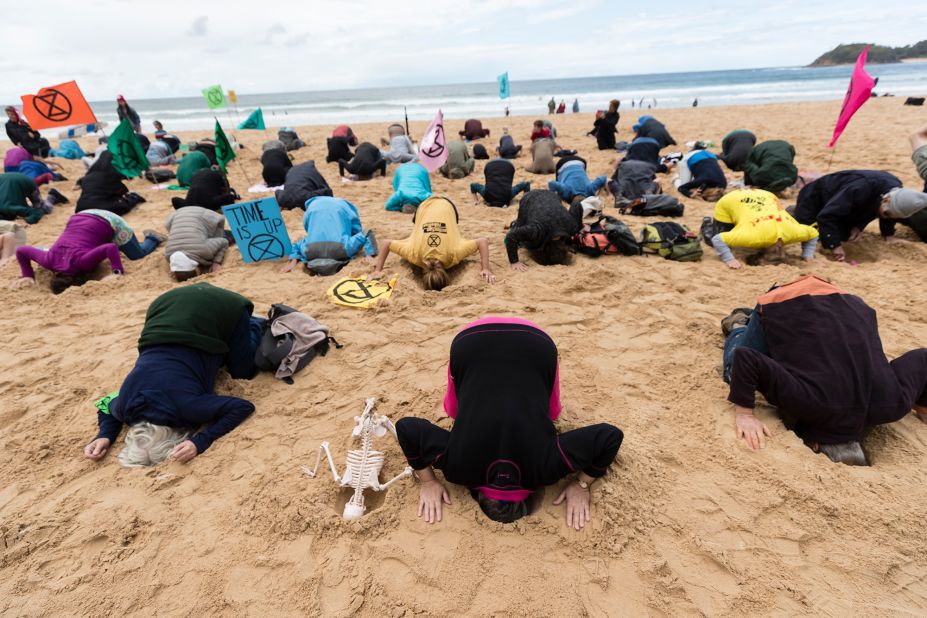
(573, 184)
(135, 250)
(751, 336)
(243, 344)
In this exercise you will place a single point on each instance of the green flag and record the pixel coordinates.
(254, 121)
(224, 152)
(214, 96)
(128, 157)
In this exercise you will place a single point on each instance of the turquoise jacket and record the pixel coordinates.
(411, 185)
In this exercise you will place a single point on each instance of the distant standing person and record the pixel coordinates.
(21, 134)
(551, 106)
(695, 102)
(575, 106)
(606, 126)
(124, 110)
(562, 107)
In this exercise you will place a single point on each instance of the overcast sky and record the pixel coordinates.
(173, 48)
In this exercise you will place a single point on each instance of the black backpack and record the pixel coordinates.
(607, 235)
(654, 205)
(273, 349)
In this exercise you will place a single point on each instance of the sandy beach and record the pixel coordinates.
(688, 521)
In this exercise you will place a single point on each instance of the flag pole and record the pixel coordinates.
(833, 151)
(405, 110)
(237, 158)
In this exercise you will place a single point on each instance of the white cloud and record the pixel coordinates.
(303, 45)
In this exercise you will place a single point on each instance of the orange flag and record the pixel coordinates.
(57, 106)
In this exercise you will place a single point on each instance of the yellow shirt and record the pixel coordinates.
(758, 220)
(435, 236)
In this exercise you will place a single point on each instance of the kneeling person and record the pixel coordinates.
(334, 236)
(168, 398)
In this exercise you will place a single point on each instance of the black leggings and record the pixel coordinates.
(362, 172)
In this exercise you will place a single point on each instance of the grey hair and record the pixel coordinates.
(148, 444)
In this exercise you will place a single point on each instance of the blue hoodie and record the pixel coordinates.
(332, 219)
(640, 123)
(411, 185)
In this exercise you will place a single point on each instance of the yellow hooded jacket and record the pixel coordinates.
(758, 221)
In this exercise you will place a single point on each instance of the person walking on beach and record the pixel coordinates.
(844, 203)
(551, 106)
(813, 351)
(435, 245)
(503, 392)
(575, 106)
(168, 400)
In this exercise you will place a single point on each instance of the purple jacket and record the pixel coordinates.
(82, 234)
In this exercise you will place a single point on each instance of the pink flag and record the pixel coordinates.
(433, 149)
(859, 91)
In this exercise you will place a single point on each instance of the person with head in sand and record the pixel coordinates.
(102, 188)
(301, 183)
(20, 197)
(196, 242)
(435, 245)
(473, 130)
(754, 219)
(503, 393)
(844, 203)
(209, 188)
(700, 175)
(334, 235)
(771, 166)
(813, 351)
(411, 186)
(498, 190)
(736, 147)
(544, 227)
(367, 161)
(459, 163)
(918, 221)
(401, 148)
(572, 180)
(648, 126)
(168, 398)
(87, 240)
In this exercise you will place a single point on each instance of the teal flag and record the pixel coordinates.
(128, 157)
(254, 121)
(224, 152)
(214, 96)
(503, 85)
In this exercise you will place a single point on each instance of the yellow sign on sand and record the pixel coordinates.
(358, 292)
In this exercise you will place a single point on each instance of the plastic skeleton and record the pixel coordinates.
(363, 464)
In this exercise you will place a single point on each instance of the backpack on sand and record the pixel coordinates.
(607, 235)
(671, 241)
(654, 205)
(273, 350)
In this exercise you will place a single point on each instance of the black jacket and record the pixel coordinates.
(276, 164)
(656, 129)
(499, 174)
(605, 130)
(842, 201)
(339, 148)
(365, 160)
(541, 217)
(303, 181)
(735, 148)
(102, 188)
(208, 189)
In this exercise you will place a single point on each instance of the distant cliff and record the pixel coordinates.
(878, 54)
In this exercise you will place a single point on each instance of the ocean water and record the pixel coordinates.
(712, 88)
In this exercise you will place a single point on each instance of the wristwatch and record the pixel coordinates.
(582, 483)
